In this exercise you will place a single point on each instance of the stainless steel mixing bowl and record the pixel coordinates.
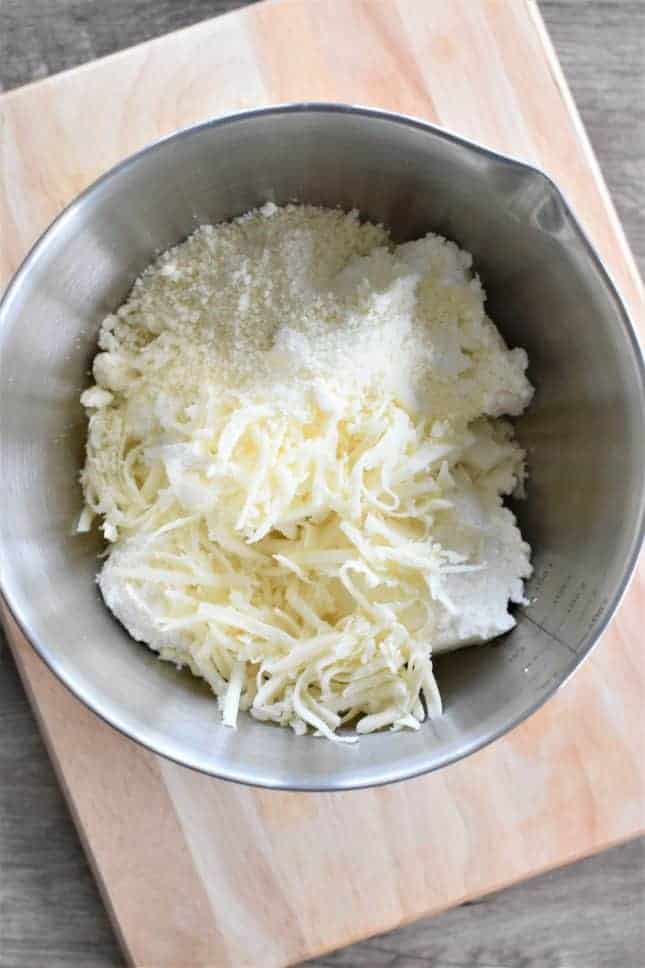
(548, 292)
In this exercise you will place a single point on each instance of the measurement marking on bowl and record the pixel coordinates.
(551, 635)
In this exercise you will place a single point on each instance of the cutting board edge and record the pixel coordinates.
(107, 60)
(16, 639)
(561, 83)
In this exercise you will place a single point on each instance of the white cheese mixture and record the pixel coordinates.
(296, 454)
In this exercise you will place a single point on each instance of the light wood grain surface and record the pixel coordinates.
(609, 937)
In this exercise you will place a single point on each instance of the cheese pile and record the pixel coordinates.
(295, 451)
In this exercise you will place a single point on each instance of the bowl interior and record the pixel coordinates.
(547, 292)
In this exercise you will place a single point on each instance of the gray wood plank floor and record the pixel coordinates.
(591, 915)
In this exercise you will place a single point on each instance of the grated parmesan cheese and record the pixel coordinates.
(295, 449)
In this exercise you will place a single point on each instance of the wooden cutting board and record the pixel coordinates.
(203, 874)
